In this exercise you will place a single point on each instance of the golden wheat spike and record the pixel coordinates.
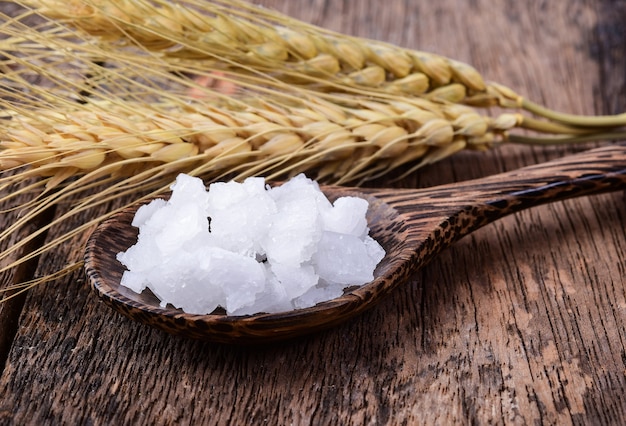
(254, 37)
(90, 136)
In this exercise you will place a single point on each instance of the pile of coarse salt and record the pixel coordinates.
(249, 248)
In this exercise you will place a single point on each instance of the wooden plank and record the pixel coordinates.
(14, 298)
(522, 322)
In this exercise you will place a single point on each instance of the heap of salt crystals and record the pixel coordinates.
(249, 248)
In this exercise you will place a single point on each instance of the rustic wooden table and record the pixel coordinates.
(522, 322)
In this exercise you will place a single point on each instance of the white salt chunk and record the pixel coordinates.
(295, 279)
(146, 211)
(240, 215)
(239, 277)
(294, 233)
(273, 299)
(320, 293)
(248, 248)
(188, 188)
(184, 222)
(296, 229)
(344, 259)
(347, 216)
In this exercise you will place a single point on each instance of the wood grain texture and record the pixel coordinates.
(522, 322)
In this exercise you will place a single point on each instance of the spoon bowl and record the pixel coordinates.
(412, 225)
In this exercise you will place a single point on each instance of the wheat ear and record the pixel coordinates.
(271, 138)
(239, 34)
(257, 37)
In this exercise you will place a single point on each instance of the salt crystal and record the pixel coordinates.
(296, 279)
(177, 225)
(240, 278)
(294, 231)
(273, 299)
(344, 259)
(189, 188)
(248, 248)
(146, 211)
(347, 216)
(240, 215)
(319, 293)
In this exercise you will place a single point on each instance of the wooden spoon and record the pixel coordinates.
(413, 225)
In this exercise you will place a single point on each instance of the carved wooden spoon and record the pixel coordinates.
(413, 225)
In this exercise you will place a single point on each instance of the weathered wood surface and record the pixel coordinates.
(522, 322)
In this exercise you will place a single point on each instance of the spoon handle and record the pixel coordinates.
(590, 172)
(463, 207)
